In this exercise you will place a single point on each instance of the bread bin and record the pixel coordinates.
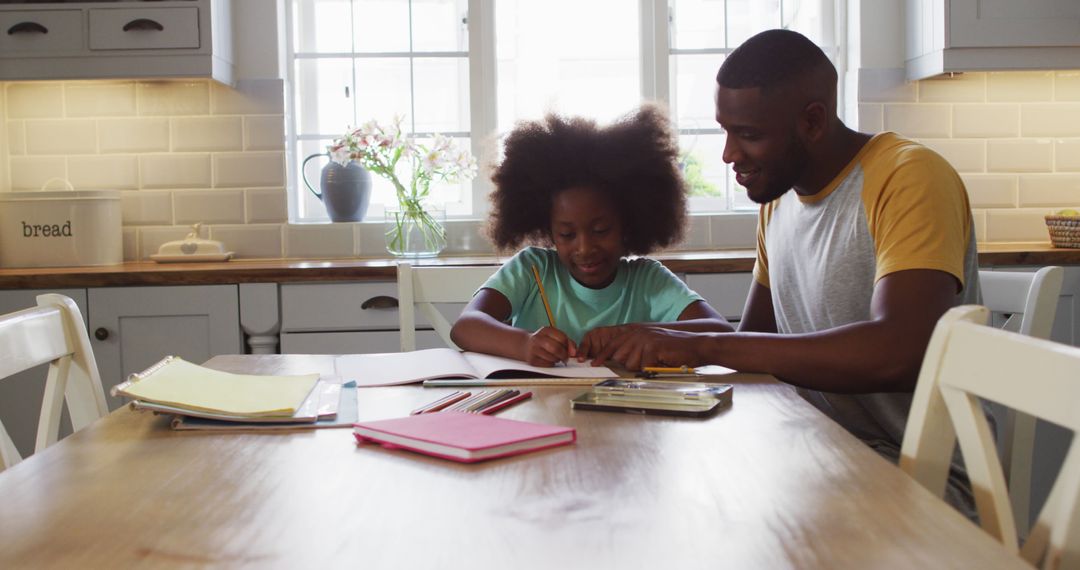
(60, 228)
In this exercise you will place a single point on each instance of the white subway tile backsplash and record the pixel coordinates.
(216, 206)
(16, 137)
(370, 238)
(264, 133)
(172, 97)
(253, 240)
(250, 97)
(962, 87)
(34, 100)
(733, 230)
(1020, 155)
(978, 218)
(1020, 86)
(464, 236)
(1050, 190)
(1067, 155)
(93, 99)
(133, 135)
(1017, 225)
(175, 170)
(986, 120)
(965, 155)
(207, 133)
(917, 120)
(885, 85)
(73, 136)
(112, 172)
(1067, 85)
(249, 169)
(31, 172)
(697, 234)
(319, 240)
(991, 190)
(266, 205)
(1049, 119)
(147, 208)
(871, 118)
(130, 237)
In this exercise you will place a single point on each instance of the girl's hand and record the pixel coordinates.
(600, 338)
(547, 347)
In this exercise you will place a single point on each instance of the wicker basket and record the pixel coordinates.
(1064, 230)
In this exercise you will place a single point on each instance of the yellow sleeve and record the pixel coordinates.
(917, 211)
(761, 264)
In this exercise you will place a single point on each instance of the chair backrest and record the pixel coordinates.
(964, 362)
(421, 287)
(53, 333)
(1028, 302)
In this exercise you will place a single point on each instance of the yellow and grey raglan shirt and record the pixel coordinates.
(896, 206)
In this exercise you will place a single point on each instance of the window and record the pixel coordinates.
(470, 68)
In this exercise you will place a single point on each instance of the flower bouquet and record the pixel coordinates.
(384, 150)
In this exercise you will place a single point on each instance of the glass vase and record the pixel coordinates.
(415, 230)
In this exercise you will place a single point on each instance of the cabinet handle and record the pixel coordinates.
(379, 302)
(101, 333)
(143, 24)
(27, 28)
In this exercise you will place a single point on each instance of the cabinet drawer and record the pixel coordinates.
(726, 292)
(44, 31)
(337, 306)
(144, 28)
(363, 342)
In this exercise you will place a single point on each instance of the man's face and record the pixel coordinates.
(762, 145)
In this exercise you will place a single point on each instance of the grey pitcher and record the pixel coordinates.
(346, 190)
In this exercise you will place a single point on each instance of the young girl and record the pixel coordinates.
(597, 195)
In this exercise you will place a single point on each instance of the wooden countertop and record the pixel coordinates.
(382, 269)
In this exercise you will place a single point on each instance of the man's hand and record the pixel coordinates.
(653, 346)
(600, 337)
(547, 347)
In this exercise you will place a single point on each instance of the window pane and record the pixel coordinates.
(808, 17)
(442, 94)
(693, 85)
(381, 26)
(549, 61)
(382, 89)
(748, 17)
(324, 103)
(439, 25)
(702, 164)
(322, 26)
(697, 24)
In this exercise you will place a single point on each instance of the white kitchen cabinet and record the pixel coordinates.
(96, 40)
(980, 35)
(349, 318)
(21, 394)
(134, 327)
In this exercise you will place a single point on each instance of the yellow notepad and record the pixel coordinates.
(181, 384)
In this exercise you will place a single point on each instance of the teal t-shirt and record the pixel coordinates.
(644, 291)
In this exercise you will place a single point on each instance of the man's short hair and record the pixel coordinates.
(772, 59)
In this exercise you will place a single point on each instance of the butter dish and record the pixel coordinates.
(191, 249)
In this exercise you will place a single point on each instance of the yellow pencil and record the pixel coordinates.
(543, 297)
(669, 370)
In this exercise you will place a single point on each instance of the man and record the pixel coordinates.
(863, 243)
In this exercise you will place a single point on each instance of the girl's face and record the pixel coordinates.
(588, 235)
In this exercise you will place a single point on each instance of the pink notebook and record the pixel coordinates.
(463, 437)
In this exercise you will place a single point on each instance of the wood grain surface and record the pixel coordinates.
(768, 483)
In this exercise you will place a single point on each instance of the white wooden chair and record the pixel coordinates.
(421, 287)
(1023, 302)
(964, 362)
(53, 333)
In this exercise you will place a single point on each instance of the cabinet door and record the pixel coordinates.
(1008, 23)
(21, 394)
(134, 327)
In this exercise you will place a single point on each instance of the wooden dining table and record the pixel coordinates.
(768, 482)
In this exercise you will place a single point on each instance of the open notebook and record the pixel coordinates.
(391, 368)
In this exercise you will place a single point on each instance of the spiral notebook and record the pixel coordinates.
(176, 386)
